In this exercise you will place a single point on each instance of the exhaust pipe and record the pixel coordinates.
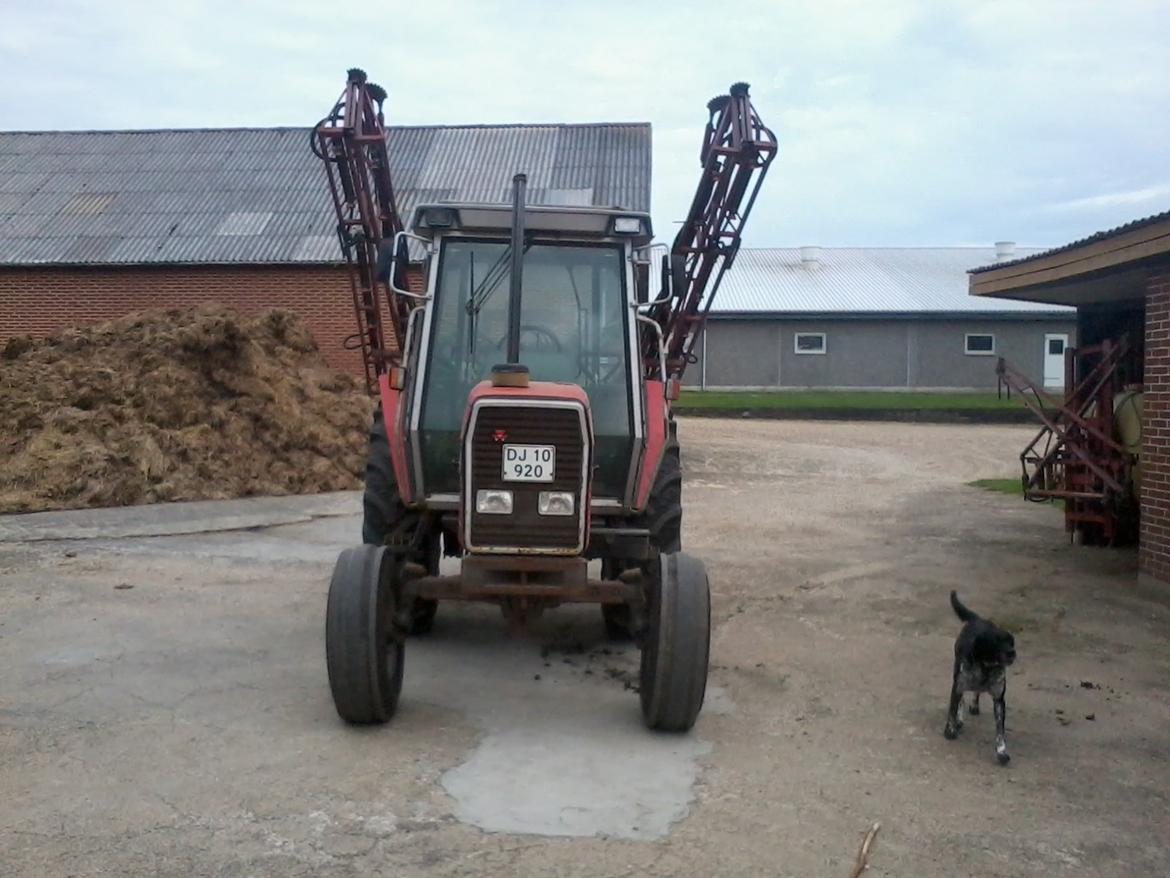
(519, 182)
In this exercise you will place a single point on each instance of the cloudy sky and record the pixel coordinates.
(901, 121)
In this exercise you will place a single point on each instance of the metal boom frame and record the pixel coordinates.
(351, 141)
(1076, 456)
(736, 152)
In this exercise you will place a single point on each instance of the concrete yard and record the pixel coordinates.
(164, 708)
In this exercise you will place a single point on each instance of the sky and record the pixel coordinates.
(901, 122)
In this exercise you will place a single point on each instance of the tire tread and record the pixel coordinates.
(357, 641)
(675, 659)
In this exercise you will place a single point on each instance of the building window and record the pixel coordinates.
(979, 345)
(810, 343)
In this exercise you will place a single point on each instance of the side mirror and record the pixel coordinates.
(392, 262)
(401, 261)
(664, 280)
(678, 275)
(385, 261)
(641, 283)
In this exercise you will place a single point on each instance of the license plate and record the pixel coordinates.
(530, 463)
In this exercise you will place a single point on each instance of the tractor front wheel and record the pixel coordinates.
(363, 652)
(677, 646)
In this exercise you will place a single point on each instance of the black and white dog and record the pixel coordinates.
(983, 652)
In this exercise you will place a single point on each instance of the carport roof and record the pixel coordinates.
(257, 195)
(1109, 266)
(881, 281)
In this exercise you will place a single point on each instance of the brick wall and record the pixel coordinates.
(37, 301)
(1154, 554)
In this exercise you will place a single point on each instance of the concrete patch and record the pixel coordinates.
(562, 755)
(577, 776)
(170, 519)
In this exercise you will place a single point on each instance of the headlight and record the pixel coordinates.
(493, 502)
(554, 503)
(627, 225)
(439, 217)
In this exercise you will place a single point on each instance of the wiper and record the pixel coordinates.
(492, 280)
(479, 295)
(471, 314)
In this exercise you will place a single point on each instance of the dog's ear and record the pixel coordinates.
(1007, 646)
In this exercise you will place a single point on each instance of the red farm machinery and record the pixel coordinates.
(1087, 452)
(525, 359)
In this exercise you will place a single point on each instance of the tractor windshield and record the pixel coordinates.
(573, 328)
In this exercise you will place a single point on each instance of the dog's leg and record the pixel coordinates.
(974, 709)
(1000, 705)
(954, 709)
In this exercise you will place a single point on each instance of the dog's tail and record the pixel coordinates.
(962, 612)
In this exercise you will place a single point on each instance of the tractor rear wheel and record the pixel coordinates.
(387, 519)
(663, 518)
(663, 513)
(677, 646)
(363, 652)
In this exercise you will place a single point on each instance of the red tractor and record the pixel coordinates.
(525, 372)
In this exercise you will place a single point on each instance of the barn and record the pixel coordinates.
(96, 224)
(1119, 282)
(883, 318)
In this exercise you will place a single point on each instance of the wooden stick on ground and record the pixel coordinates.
(863, 854)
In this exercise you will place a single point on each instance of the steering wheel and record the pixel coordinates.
(545, 340)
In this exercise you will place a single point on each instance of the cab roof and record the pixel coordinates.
(496, 219)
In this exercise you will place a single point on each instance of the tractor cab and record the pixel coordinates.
(576, 325)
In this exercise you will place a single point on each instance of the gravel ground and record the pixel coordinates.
(163, 705)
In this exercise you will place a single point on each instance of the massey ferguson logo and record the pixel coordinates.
(499, 435)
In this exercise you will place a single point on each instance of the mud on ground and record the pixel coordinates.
(175, 405)
(164, 706)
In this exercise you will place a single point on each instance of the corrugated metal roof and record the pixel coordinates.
(861, 280)
(258, 195)
(1096, 236)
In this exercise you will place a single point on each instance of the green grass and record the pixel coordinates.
(1007, 486)
(1002, 486)
(842, 399)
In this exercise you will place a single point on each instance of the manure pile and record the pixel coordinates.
(190, 404)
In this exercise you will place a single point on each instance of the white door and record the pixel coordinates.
(1054, 345)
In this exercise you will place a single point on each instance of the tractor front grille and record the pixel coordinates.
(526, 529)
